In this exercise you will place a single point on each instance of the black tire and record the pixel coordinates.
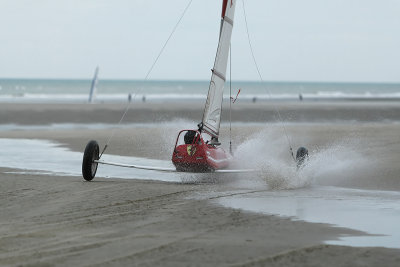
(301, 156)
(89, 167)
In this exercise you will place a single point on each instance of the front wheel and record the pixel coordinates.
(89, 166)
(301, 156)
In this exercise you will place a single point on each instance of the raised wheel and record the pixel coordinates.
(301, 156)
(89, 167)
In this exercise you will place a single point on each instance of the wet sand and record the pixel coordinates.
(64, 221)
(292, 111)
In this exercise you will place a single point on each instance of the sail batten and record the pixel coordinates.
(220, 75)
(212, 111)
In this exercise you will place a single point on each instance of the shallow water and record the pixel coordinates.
(48, 157)
(374, 212)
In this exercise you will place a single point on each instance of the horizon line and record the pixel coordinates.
(199, 80)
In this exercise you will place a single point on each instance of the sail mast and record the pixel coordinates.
(212, 111)
(92, 93)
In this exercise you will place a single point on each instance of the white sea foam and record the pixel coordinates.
(22, 97)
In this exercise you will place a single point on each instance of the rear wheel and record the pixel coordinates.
(301, 156)
(89, 167)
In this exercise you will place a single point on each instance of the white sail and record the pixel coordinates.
(92, 94)
(212, 111)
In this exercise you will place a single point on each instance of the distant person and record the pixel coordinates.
(300, 97)
(144, 98)
(129, 98)
(254, 99)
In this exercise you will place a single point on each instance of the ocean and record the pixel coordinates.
(77, 91)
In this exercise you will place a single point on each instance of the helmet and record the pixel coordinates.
(189, 137)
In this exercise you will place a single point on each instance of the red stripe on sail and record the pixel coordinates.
(224, 4)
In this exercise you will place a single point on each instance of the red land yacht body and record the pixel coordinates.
(195, 155)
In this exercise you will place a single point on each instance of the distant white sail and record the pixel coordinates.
(212, 111)
(93, 88)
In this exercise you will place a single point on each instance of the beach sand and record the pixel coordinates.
(64, 221)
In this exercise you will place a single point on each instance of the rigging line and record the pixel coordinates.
(230, 98)
(147, 75)
(262, 80)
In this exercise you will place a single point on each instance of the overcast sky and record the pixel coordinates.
(308, 40)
